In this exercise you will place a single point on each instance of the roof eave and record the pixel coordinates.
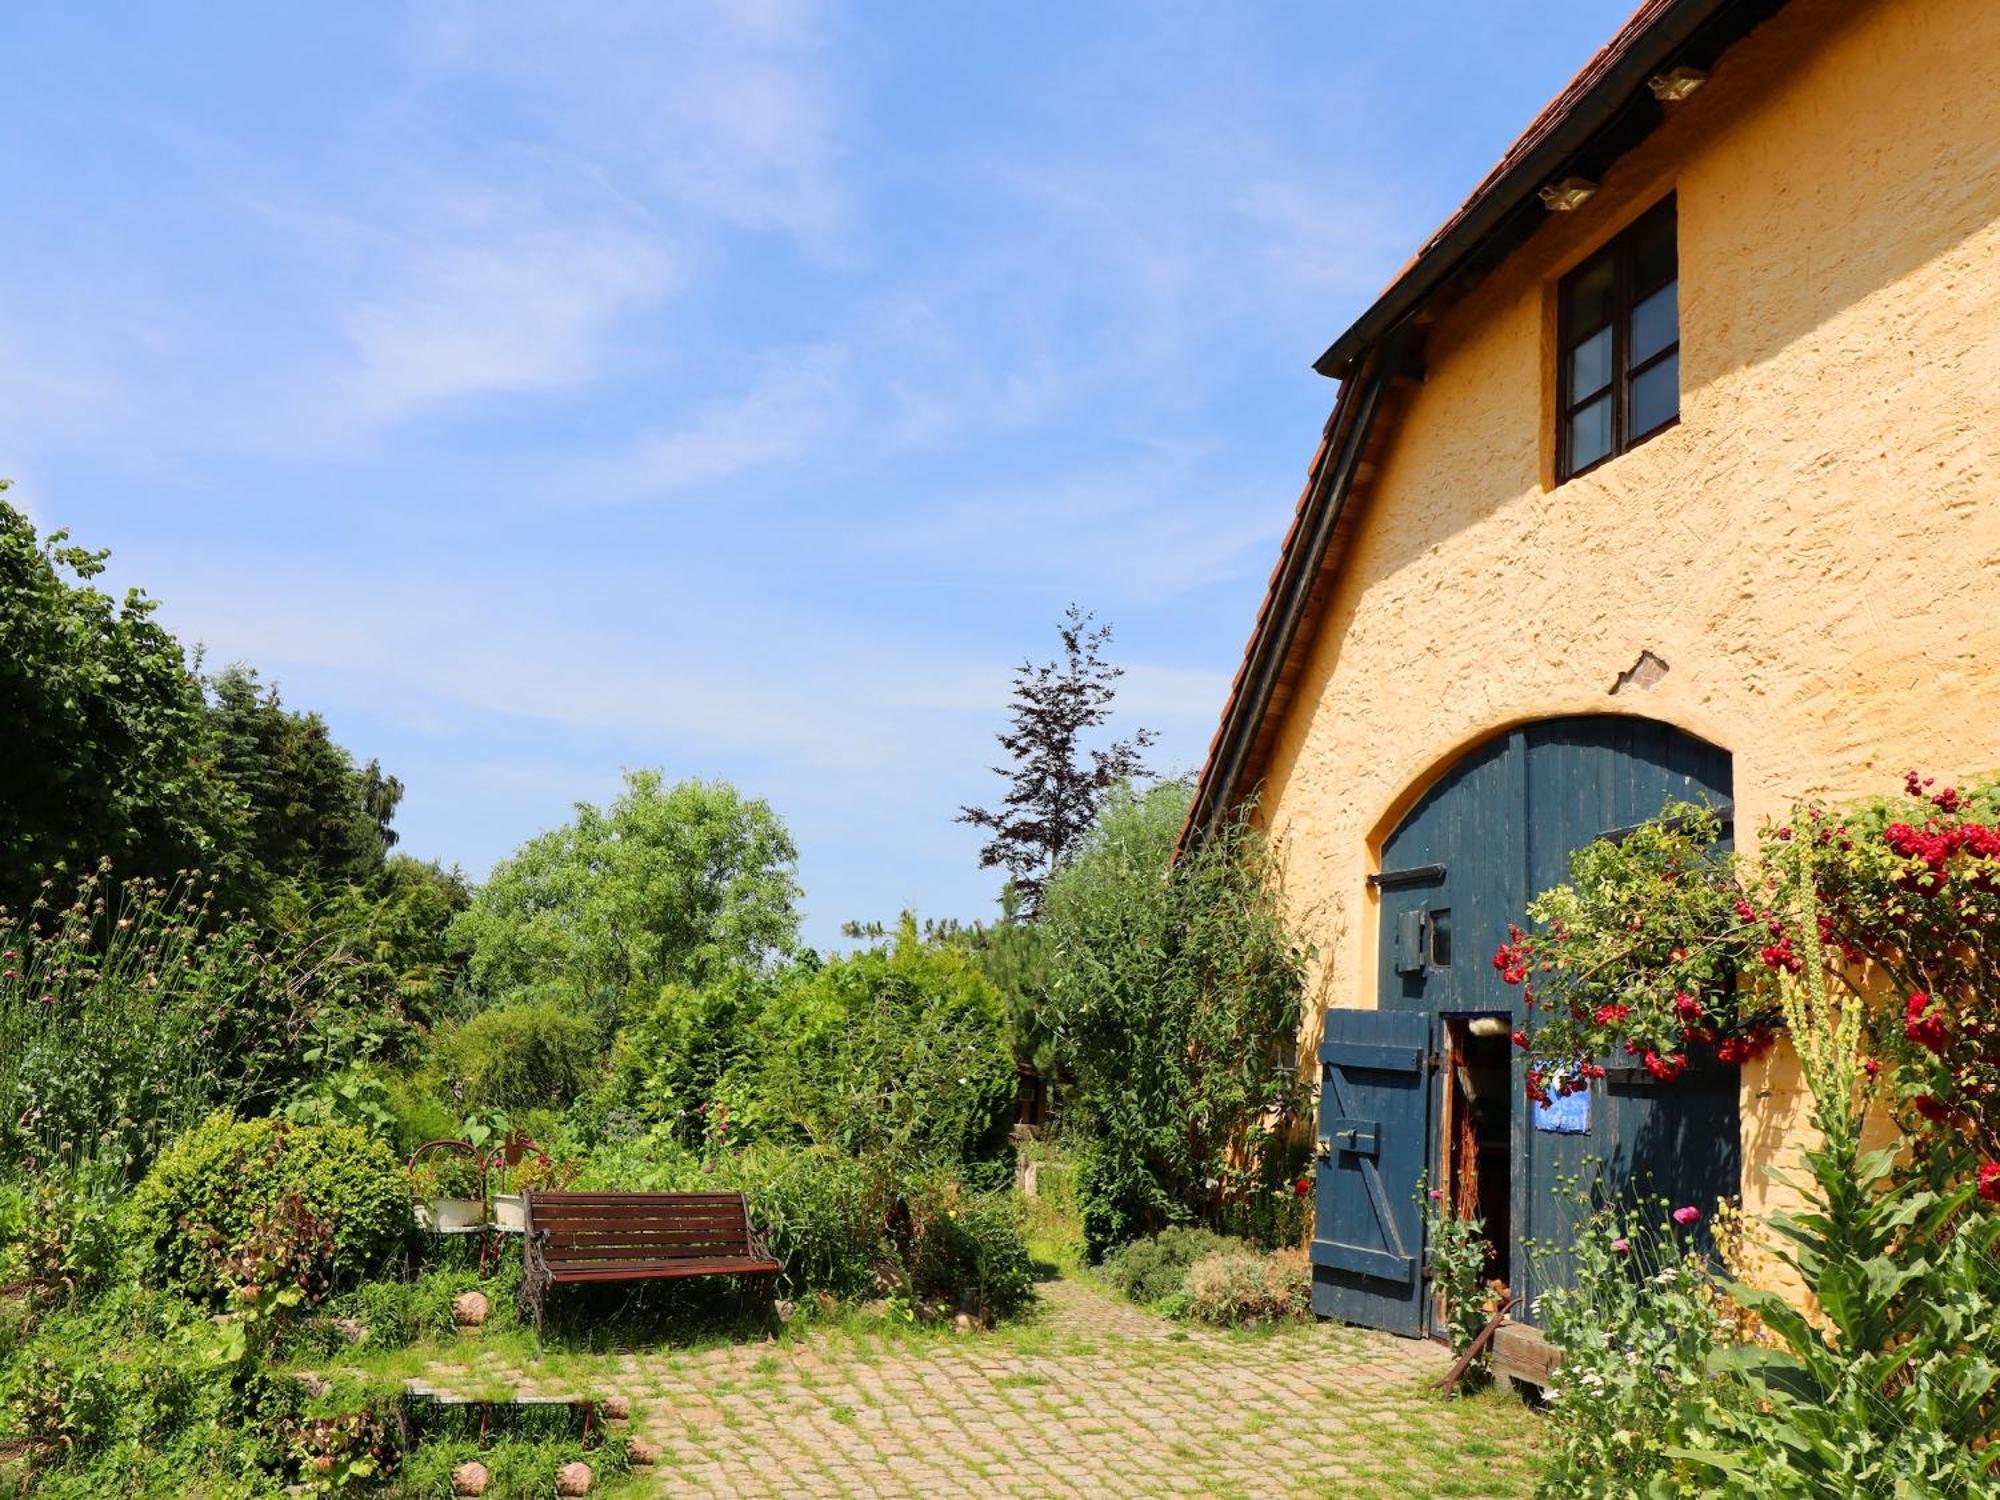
(1658, 45)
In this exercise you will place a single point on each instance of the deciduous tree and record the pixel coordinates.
(1055, 783)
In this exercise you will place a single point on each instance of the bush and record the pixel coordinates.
(1238, 1288)
(1151, 1270)
(823, 1213)
(124, 1019)
(1635, 1328)
(967, 1248)
(1174, 990)
(899, 1053)
(225, 1175)
(523, 1056)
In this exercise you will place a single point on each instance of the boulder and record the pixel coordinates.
(470, 1309)
(574, 1479)
(642, 1454)
(615, 1408)
(470, 1479)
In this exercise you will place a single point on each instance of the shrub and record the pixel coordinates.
(61, 1236)
(218, 1179)
(124, 1019)
(1173, 991)
(523, 1056)
(1237, 1288)
(1151, 1270)
(967, 1248)
(898, 1053)
(1456, 1256)
(823, 1213)
(1635, 1328)
(1892, 1386)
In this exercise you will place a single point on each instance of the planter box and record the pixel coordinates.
(451, 1215)
(510, 1214)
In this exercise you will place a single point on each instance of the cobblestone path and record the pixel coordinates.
(1092, 1397)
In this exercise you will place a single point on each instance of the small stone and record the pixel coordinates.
(963, 1323)
(642, 1454)
(469, 1309)
(615, 1408)
(784, 1307)
(313, 1383)
(470, 1479)
(350, 1330)
(574, 1479)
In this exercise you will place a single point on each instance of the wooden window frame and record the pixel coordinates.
(1626, 295)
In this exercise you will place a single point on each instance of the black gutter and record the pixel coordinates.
(1657, 50)
(1274, 645)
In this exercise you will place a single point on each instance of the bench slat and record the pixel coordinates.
(629, 1199)
(621, 1254)
(665, 1271)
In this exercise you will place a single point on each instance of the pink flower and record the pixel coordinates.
(1437, 1195)
(1623, 1247)
(1686, 1216)
(1989, 1181)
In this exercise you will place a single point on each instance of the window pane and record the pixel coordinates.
(1590, 365)
(1440, 925)
(1587, 295)
(1590, 433)
(1656, 322)
(1653, 253)
(1656, 396)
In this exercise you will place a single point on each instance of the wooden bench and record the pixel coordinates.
(607, 1237)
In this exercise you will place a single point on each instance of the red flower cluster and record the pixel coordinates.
(1514, 957)
(1611, 1015)
(1667, 1068)
(1750, 1044)
(1779, 955)
(1989, 1181)
(1924, 1026)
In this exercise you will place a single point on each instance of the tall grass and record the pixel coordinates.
(129, 1013)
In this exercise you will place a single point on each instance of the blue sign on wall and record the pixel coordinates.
(1564, 1114)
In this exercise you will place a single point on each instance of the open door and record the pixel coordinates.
(1367, 1249)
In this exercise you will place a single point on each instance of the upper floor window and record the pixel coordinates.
(1619, 342)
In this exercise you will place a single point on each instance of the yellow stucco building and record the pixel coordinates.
(1667, 466)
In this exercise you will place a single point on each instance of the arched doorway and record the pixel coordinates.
(1427, 1086)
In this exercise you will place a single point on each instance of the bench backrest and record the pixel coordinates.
(582, 1229)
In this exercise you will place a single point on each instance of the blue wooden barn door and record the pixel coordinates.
(1367, 1249)
(1495, 829)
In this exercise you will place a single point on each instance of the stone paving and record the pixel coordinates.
(1091, 1397)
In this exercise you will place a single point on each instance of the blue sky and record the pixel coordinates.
(538, 390)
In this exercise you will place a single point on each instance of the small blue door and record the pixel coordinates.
(1367, 1249)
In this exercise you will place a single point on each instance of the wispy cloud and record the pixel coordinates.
(792, 406)
(490, 304)
(721, 107)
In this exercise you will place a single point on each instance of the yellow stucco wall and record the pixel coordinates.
(1814, 550)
